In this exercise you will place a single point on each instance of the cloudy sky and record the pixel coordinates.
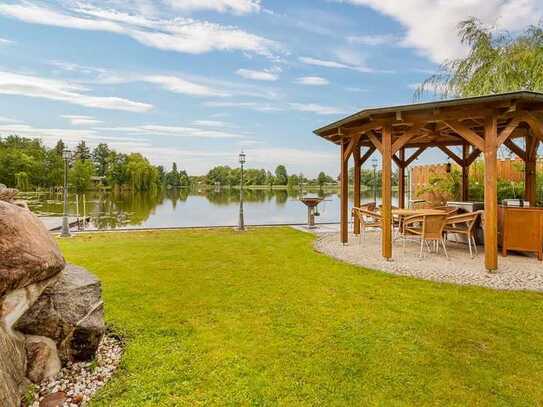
(196, 81)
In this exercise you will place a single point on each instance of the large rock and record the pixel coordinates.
(28, 253)
(42, 357)
(69, 311)
(12, 368)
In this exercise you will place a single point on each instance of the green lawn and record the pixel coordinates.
(259, 318)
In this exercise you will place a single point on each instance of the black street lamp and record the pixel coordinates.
(65, 232)
(241, 225)
(374, 165)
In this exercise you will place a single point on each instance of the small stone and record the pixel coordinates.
(53, 400)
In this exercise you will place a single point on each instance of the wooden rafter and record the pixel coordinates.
(535, 124)
(508, 130)
(472, 156)
(405, 137)
(452, 155)
(465, 132)
(352, 145)
(367, 155)
(415, 155)
(398, 162)
(511, 145)
(375, 141)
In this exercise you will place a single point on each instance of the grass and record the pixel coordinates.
(259, 318)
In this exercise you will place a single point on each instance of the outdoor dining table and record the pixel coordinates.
(405, 213)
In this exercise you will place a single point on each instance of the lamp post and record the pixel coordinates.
(241, 225)
(65, 232)
(374, 165)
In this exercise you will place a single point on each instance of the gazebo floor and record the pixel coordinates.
(516, 272)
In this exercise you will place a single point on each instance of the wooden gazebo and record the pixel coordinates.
(401, 133)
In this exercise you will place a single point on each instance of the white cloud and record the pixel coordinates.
(312, 81)
(257, 75)
(315, 108)
(432, 24)
(210, 123)
(179, 85)
(184, 35)
(33, 86)
(4, 41)
(259, 107)
(375, 39)
(4, 119)
(335, 64)
(222, 6)
(79, 120)
(173, 131)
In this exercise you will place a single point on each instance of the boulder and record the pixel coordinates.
(12, 368)
(70, 312)
(28, 253)
(42, 358)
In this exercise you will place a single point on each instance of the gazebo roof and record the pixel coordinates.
(437, 123)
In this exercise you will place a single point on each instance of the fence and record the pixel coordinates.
(511, 170)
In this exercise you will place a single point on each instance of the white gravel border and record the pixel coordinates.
(80, 381)
(515, 272)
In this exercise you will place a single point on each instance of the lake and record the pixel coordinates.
(183, 207)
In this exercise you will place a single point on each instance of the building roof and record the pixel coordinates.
(433, 118)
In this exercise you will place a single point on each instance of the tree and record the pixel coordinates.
(80, 175)
(281, 176)
(82, 152)
(60, 147)
(322, 179)
(497, 62)
(100, 156)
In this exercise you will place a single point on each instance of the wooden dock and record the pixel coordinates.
(54, 223)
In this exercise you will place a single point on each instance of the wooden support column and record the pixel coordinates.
(530, 170)
(491, 196)
(344, 195)
(356, 182)
(465, 172)
(401, 179)
(386, 191)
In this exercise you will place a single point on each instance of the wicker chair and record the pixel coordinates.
(464, 224)
(367, 219)
(428, 228)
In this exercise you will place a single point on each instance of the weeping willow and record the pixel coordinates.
(142, 175)
(497, 62)
(22, 180)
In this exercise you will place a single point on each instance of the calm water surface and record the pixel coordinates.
(177, 208)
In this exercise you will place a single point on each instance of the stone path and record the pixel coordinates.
(516, 272)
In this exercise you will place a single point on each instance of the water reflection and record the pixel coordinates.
(183, 207)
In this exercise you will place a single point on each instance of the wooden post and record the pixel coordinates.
(491, 195)
(465, 172)
(386, 191)
(356, 182)
(344, 197)
(401, 179)
(530, 170)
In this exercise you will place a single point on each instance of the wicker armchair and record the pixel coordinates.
(428, 228)
(367, 219)
(464, 224)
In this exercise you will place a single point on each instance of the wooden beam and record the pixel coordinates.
(386, 191)
(452, 155)
(473, 156)
(465, 173)
(344, 196)
(352, 145)
(401, 179)
(375, 141)
(404, 138)
(535, 124)
(356, 187)
(367, 155)
(415, 155)
(466, 133)
(511, 145)
(530, 165)
(490, 151)
(398, 162)
(508, 130)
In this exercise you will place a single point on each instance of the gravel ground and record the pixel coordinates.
(515, 272)
(77, 382)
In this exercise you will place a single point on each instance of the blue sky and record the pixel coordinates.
(195, 81)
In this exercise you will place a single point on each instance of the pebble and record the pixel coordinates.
(80, 381)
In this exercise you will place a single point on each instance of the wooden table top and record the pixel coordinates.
(411, 212)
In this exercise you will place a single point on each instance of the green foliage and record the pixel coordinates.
(82, 151)
(281, 176)
(496, 63)
(80, 175)
(100, 155)
(216, 317)
(444, 184)
(22, 182)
